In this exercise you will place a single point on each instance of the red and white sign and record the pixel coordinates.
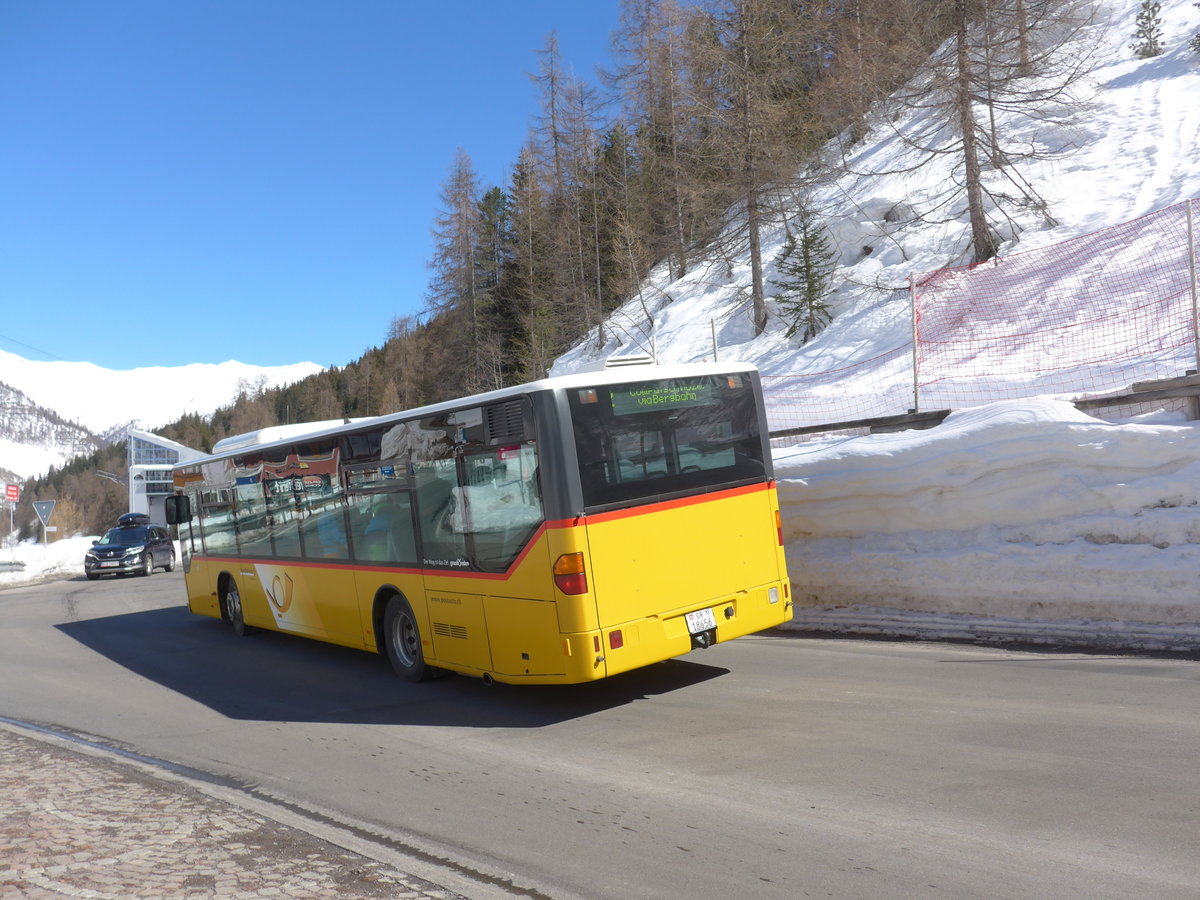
(12, 492)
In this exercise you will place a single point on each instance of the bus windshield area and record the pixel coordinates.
(638, 443)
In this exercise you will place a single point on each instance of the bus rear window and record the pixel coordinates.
(640, 442)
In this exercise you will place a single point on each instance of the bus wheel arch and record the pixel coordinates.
(398, 636)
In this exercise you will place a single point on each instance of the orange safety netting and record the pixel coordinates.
(1086, 317)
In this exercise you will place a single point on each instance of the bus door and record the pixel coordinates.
(457, 625)
(488, 587)
(380, 516)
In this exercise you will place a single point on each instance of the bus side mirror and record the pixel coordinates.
(178, 508)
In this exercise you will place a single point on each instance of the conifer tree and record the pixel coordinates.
(649, 42)
(453, 291)
(528, 283)
(493, 249)
(494, 254)
(1195, 43)
(805, 268)
(403, 362)
(1148, 36)
(754, 64)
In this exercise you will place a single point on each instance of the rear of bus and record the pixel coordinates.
(681, 545)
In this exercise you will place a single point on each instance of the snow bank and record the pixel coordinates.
(1048, 523)
(60, 559)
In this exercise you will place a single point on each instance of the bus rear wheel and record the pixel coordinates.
(402, 637)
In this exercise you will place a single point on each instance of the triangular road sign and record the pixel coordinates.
(43, 508)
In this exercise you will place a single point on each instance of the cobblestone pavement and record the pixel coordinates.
(73, 824)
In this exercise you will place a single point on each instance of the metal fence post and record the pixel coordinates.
(1191, 235)
(912, 306)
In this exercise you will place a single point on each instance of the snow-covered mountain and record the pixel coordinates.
(53, 411)
(31, 434)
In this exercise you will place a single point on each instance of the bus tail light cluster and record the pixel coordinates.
(569, 574)
(779, 527)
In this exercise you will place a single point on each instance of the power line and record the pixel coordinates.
(4, 337)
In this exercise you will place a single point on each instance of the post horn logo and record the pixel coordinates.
(280, 592)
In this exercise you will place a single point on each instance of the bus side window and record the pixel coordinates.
(251, 521)
(382, 527)
(324, 527)
(441, 545)
(503, 510)
(281, 518)
(216, 523)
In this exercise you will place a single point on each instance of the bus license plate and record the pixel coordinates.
(700, 620)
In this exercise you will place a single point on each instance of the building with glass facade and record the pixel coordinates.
(151, 459)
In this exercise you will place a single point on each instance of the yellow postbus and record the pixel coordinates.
(556, 532)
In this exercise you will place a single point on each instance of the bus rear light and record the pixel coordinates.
(779, 527)
(772, 595)
(616, 640)
(570, 577)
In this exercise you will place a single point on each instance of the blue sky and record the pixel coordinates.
(203, 180)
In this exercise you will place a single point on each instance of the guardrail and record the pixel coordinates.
(1183, 387)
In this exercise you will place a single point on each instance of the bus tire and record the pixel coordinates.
(402, 638)
(231, 606)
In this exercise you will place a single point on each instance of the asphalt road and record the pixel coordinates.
(773, 766)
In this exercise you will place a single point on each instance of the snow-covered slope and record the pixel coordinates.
(1134, 149)
(1020, 520)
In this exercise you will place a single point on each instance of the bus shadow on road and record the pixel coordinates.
(268, 676)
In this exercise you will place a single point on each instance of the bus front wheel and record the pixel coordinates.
(403, 640)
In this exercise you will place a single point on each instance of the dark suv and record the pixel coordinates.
(133, 546)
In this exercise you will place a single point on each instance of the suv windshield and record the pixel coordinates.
(125, 537)
(640, 442)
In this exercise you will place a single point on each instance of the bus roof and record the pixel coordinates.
(284, 434)
(275, 434)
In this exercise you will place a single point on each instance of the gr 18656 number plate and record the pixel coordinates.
(700, 620)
